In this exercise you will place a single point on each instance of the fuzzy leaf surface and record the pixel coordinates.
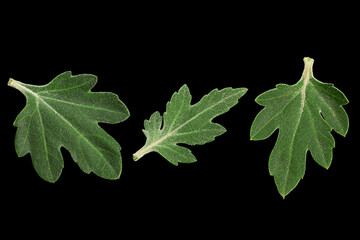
(65, 113)
(305, 114)
(186, 123)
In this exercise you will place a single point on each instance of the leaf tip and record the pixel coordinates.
(184, 88)
(52, 181)
(283, 195)
(253, 137)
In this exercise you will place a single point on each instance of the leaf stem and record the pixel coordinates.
(308, 69)
(21, 87)
(139, 154)
(13, 83)
(17, 85)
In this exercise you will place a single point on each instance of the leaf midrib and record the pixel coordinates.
(173, 132)
(306, 79)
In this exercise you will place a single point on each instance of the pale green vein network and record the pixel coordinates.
(159, 139)
(304, 120)
(19, 86)
(76, 104)
(90, 146)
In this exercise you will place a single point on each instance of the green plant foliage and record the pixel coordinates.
(65, 113)
(186, 123)
(305, 114)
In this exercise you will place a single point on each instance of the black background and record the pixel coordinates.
(144, 54)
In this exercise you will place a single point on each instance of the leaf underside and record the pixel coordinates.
(305, 114)
(65, 113)
(186, 123)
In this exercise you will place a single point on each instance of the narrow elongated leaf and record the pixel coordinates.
(186, 123)
(305, 114)
(65, 113)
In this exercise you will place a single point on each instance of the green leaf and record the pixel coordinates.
(305, 114)
(65, 113)
(185, 123)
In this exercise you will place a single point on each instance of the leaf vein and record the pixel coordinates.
(79, 105)
(315, 133)
(277, 114)
(44, 140)
(63, 89)
(331, 110)
(27, 129)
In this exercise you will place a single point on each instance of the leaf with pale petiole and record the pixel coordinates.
(186, 123)
(65, 113)
(305, 114)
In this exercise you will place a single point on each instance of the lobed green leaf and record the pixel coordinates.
(186, 123)
(305, 114)
(65, 113)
